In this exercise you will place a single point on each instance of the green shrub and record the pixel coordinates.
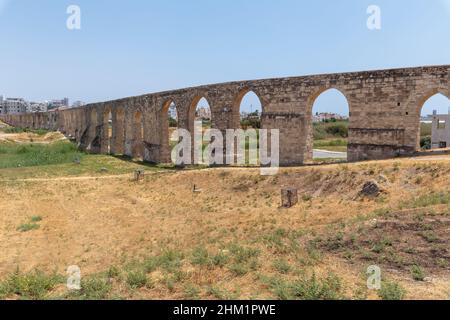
(36, 219)
(281, 289)
(137, 279)
(191, 292)
(151, 264)
(216, 293)
(220, 259)
(417, 273)
(425, 143)
(313, 288)
(427, 200)
(113, 272)
(93, 288)
(173, 123)
(34, 285)
(28, 227)
(430, 236)
(339, 130)
(391, 291)
(244, 259)
(307, 288)
(243, 254)
(239, 269)
(170, 260)
(282, 266)
(200, 256)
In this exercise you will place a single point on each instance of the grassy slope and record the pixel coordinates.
(57, 159)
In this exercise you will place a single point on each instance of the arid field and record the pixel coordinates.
(158, 239)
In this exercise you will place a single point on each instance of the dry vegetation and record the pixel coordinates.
(157, 239)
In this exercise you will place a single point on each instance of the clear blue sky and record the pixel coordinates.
(133, 47)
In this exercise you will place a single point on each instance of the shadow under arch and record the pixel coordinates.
(309, 146)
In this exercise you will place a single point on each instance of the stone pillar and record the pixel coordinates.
(118, 131)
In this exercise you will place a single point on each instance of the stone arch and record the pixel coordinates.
(313, 97)
(418, 110)
(234, 122)
(192, 118)
(193, 108)
(165, 130)
(236, 116)
(308, 153)
(423, 99)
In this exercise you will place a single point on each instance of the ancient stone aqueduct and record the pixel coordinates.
(384, 105)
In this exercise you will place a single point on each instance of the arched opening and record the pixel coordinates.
(202, 112)
(250, 111)
(169, 119)
(435, 123)
(247, 115)
(330, 126)
(200, 120)
(138, 136)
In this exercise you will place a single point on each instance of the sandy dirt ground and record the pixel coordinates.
(99, 222)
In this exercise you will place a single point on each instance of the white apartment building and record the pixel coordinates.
(37, 107)
(14, 105)
(440, 137)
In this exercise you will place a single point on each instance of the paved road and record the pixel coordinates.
(323, 154)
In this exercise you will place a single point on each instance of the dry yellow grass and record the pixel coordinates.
(98, 223)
